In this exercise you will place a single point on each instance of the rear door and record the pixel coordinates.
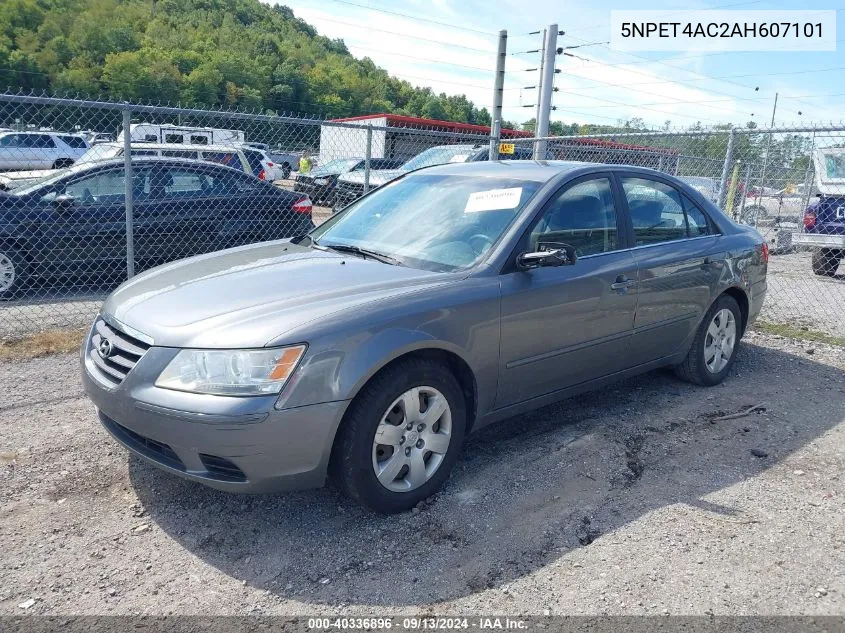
(676, 249)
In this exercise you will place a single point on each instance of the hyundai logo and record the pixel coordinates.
(105, 349)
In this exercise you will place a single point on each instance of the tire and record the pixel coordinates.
(380, 408)
(286, 171)
(699, 367)
(825, 261)
(754, 214)
(61, 163)
(12, 271)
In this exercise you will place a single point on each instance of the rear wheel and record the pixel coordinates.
(714, 348)
(753, 214)
(286, 171)
(12, 270)
(826, 261)
(401, 436)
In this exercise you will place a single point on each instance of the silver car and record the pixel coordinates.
(450, 298)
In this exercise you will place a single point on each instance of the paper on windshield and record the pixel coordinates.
(493, 200)
(459, 158)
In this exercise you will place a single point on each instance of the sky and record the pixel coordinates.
(450, 46)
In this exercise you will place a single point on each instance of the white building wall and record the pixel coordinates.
(350, 142)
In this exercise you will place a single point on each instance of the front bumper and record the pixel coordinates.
(232, 444)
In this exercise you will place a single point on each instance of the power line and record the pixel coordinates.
(422, 59)
(413, 17)
(412, 37)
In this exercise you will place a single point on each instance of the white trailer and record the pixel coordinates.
(154, 133)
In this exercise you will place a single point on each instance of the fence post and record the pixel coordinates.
(498, 92)
(367, 157)
(130, 216)
(726, 168)
(745, 192)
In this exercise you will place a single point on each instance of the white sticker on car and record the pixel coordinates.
(459, 158)
(493, 200)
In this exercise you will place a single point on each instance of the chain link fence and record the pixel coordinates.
(96, 192)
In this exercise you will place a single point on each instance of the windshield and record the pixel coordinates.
(439, 156)
(337, 166)
(431, 221)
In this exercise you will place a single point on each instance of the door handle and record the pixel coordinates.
(623, 283)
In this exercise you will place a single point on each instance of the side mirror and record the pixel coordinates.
(548, 254)
(63, 201)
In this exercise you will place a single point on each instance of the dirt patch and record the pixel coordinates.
(42, 344)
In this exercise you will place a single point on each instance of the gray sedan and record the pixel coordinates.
(451, 298)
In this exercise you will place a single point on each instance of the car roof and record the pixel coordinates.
(538, 170)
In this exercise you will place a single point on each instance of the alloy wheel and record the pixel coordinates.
(7, 272)
(720, 341)
(412, 439)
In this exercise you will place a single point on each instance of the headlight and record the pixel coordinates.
(252, 372)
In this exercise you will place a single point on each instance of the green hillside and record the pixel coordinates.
(233, 54)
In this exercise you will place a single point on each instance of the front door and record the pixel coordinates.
(569, 324)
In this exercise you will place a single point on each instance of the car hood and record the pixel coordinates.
(377, 176)
(250, 296)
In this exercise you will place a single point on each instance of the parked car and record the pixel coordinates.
(350, 186)
(287, 161)
(707, 187)
(448, 299)
(39, 150)
(262, 165)
(232, 155)
(74, 223)
(320, 184)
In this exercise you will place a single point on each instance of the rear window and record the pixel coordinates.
(254, 159)
(75, 142)
(229, 159)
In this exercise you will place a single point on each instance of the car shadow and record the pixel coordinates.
(528, 490)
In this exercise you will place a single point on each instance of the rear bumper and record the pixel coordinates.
(756, 300)
(819, 240)
(261, 450)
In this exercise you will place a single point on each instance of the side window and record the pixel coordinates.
(178, 182)
(142, 152)
(43, 141)
(104, 186)
(27, 141)
(224, 158)
(656, 211)
(582, 216)
(199, 139)
(10, 140)
(697, 224)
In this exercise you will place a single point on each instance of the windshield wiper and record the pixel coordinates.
(364, 252)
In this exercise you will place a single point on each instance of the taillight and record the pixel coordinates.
(809, 219)
(764, 252)
(261, 175)
(303, 205)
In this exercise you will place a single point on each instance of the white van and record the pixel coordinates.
(175, 134)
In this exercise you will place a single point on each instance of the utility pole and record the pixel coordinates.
(544, 103)
(540, 83)
(498, 95)
(768, 145)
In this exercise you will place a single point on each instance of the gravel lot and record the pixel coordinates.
(634, 499)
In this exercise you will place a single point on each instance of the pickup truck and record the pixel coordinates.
(824, 219)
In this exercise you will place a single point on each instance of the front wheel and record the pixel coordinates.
(61, 163)
(401, 436)
(714, 348)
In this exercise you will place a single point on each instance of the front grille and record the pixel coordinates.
(221, 468)
(350, 191)
(158, 451)
(125, 352)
